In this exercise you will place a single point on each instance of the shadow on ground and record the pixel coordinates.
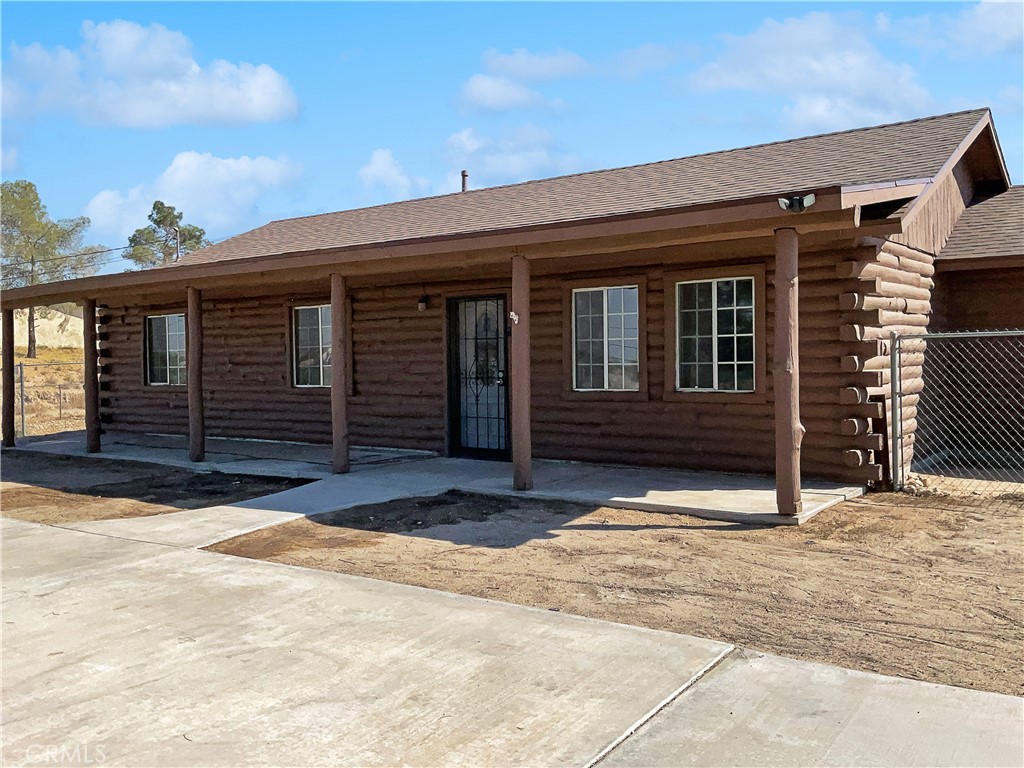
(50, 489)
(458, 518)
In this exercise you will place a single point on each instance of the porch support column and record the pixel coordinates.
(92, 380)
(194, 369)
(8, 378)
(522, 449)
(339, 375)
(789, 432)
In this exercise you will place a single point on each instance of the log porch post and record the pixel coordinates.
(340, 461)
(194, 372)
(789, 431)
(8, 378)
(522, 449)
(91, 374)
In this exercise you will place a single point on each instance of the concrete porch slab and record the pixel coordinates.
(381, 475)
(713, 495)
(264, 458)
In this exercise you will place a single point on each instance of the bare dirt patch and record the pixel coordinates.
(889, 583)
(66, 489)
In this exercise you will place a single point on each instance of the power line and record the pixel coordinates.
(68, 256)
(75, 256)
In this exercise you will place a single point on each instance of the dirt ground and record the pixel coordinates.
(62, 489)
(926, 588)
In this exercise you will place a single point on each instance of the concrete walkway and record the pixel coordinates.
(380, 475)
(263, 458)
(129, 653)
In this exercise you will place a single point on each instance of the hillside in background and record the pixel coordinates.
(59, 328)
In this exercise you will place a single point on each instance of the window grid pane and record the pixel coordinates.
(715, 335)
(312, 345)
(606, 334)
(165, 350)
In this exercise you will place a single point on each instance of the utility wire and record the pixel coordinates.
(69, 256)
(79, 256)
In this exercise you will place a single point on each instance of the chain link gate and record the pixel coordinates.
(957, 418)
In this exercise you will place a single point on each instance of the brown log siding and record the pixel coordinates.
(400, 391)
(979, 299)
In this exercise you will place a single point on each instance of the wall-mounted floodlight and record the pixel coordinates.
(796, 203)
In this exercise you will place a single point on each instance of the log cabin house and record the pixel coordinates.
(705, 313)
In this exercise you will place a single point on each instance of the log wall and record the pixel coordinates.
(889, 290)
(399, 388)
(979, 299)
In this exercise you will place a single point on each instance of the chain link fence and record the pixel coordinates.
(958, 416)
(49, 398)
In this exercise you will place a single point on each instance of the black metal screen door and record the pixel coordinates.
(477, 371)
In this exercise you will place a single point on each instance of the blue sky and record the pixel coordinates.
(240, 113)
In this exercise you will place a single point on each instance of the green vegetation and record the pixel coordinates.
(158, 243)
(36, 249)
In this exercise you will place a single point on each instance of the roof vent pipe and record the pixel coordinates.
(465, 180)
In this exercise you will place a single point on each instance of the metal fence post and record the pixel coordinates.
(896, 413)
(21, 393)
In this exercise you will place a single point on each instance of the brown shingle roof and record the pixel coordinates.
(992, 227)
(914, 149)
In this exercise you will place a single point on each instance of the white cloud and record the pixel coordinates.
(144, 77)
(216, 193)
(829, 71)
(528, 152)
(10, 160)
(981, 29)
(383, 170)
(504, 85)
(502, 88)
(988, 27)
(649, 57)
(523, 66)
(498, 94)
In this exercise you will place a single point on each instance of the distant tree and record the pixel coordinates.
(36, 249)
(157, 244)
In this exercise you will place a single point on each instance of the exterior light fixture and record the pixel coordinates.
(796, 203)
(421, 305)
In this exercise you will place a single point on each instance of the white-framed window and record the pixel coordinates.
(605, 334)
(715, 335)
(311, 346)
(165, 349)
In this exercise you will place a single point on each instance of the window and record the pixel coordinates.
(165, 349)
(715, 335)
(606, 349)
(311, 346)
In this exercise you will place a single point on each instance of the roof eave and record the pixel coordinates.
(741, 218)
(984, 122)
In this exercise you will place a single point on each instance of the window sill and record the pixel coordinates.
(606, 395)
(167, 387)
(677, 396)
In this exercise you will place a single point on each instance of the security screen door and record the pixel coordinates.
(478, 377)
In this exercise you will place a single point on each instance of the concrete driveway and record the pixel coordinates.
(127, 652)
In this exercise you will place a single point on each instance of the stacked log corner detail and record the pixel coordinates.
(886, 292)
